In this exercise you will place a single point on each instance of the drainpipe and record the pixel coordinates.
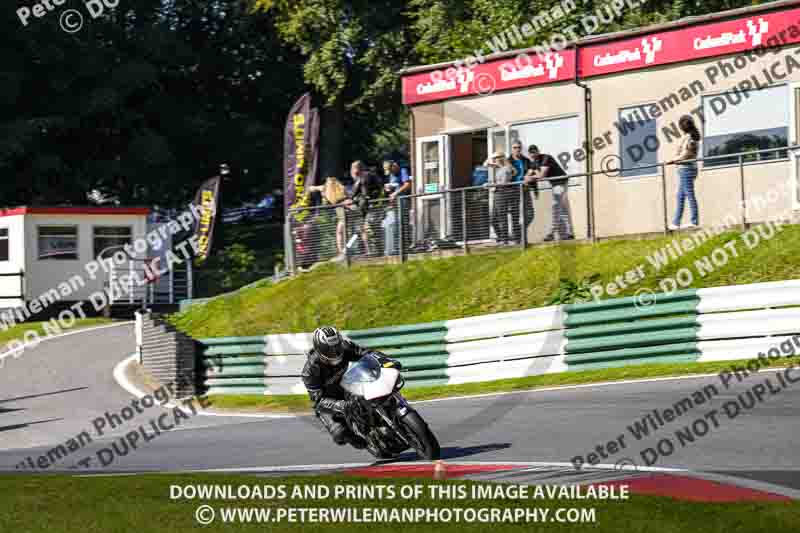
(587, 115)
(413, 155)
(412, 144)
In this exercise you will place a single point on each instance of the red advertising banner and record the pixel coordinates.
(489, 77)
(695, 42)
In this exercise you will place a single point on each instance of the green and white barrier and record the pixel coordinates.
(723, 323)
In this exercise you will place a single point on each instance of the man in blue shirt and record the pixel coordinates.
(398, 185)
(522, 166)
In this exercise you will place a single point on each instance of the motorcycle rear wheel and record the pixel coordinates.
(421, 437)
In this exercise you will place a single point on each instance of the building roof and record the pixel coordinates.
(607, 37)
(74, 210)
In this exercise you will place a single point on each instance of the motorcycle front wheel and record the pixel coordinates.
(421, 437)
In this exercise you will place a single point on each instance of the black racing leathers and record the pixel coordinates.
(322, 380)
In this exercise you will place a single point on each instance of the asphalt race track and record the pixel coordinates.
(53, 392)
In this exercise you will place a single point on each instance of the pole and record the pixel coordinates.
(523, 222)
(464, 219)
(171, 286)
(290, 245)
(402, 229)
(345, 244)
(743, 203)
(663, 169)
(189, 280)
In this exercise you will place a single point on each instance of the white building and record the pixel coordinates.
(44, 247)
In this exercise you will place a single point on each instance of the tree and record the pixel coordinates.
(143, 103)
(353, 50)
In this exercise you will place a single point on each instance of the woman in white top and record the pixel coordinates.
(687, 172)
(335, 195)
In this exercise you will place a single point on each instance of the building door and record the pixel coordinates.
(432, 171)
(498, 141)
(468, 203)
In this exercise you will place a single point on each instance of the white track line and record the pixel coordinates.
(521, 464)
(581, 386)
(55, 337)
(125, 383)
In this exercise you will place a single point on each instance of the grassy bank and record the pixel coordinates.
(17, 332)
(300, 404)
(121, 504)
(506, 280)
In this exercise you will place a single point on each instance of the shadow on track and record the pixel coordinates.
(451, 452)
(42, 394)
(26, 424)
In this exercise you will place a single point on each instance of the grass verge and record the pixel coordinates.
(143, 504)
(471, 285)
(299, 403)
(17, 332)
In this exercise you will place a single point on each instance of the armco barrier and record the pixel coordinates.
(723, 323)
(513, 344)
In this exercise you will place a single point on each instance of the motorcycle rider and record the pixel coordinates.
(327, 362)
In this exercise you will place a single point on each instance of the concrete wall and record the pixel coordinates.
(510, 107)
(634, 204)
(43, 275)
(169, 355)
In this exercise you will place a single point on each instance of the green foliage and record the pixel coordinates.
(574, 291)
(148, 99)
(237, 264)
(448, 30)
(247, 253)
(143, 104)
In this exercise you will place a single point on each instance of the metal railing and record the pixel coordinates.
(488, 215)
(131, 283)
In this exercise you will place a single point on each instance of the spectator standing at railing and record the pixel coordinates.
(334, 196)
(688, 149)
(397, 186)
(504, 197)
(368, 197)
(522, 166)
(545, 167)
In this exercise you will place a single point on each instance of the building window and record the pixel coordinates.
(111, 236)
(735, 123)
(3, 244)
(638, 141)
(558, 137)
(58, 242)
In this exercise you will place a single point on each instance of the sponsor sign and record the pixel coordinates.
(687, 44)
(300, 154)
(660, 48)
(502, 74)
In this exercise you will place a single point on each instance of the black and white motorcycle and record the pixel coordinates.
(380, 415)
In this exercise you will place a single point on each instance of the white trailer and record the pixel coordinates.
(46, 250)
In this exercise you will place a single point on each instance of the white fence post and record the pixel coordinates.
(139, 335)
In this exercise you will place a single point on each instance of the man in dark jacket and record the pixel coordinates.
(327, 362)
(545, 167)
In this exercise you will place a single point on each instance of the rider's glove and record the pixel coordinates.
(329, 404)
(350, 405)
(392, 363)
